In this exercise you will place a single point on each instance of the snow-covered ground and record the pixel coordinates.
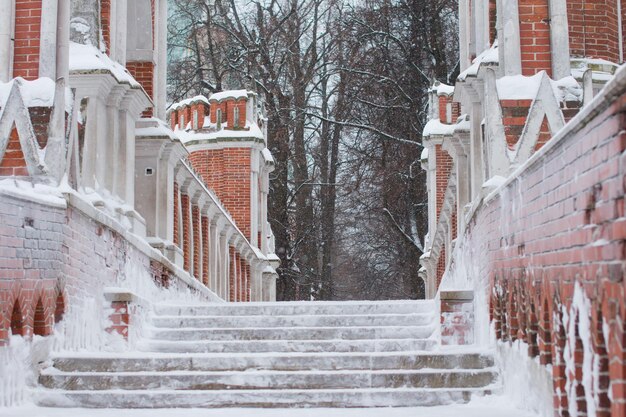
(481, 407)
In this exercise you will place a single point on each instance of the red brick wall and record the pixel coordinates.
(444, 165)
(13, 162)
(105, 21)
(493, 18)
(441, 265)
(176, 217)
(227, 172)
(514, 115)
(205, 250)
(143, 72)
(535, 36)
(52, 260)
(184, 199)
(593, 29)
(231, 275)
(230, 112)
(195, 215)
(27, 39)
(559, 225)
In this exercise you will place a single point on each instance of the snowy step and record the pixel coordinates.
(345, 320)
(304, 380)
(274, 361)
(296, 333)
(373, 397)
(240, 346)
(297, 308)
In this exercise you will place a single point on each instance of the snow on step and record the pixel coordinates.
(268, 380)
(321, 354)
(273, 361)
(390, 397)
(314, 320)
(299, 308)
(241, 346)
(297, 333)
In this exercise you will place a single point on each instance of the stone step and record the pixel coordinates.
(241, 346)
(389, 397)
(297, 308)
(251, 380)
(273, 361)
(417, 319)
(295, 333)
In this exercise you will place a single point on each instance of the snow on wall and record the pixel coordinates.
(49, 250)
(544, 254)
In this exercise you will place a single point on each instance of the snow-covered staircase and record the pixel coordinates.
(349, 354)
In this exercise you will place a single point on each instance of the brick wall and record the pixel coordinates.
(54, 262)
(227, 172)
(105, 22)
(559, 226)
(535, 36)
(27, 39)
(13, 162)
(143, 72)
(593, 29)
(444, 165)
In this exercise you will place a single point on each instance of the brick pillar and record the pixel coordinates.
(232, 272)
(205, 251)
(248, 280)
(186, 232)
(239, 277)
(176, 217)
(593, 28)
(27, 39)
(120, 318)
(444, 165)
(105, 21)
(195, 218)
(535, 36)
(143, 72)
(457, 317)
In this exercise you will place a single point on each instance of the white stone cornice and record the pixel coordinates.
(93, 84)
(116, 95)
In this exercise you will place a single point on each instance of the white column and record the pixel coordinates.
(464, 40)
(509, 49)
(254, 198)
(7, 21)
(559, 39)
(159, 57)
(90, 149)
(47, 49)
(118, 43)
(476, 150)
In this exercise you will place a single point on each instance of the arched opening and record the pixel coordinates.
(17, 320)
(59, 309)
(39, 324)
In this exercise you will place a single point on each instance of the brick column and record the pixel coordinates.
(144, 74)
(186, 232)
(231, 274)
(457, 317)
(27, 39)
(176, 217)
(206, 250)
(197, 239)
(535, 36)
